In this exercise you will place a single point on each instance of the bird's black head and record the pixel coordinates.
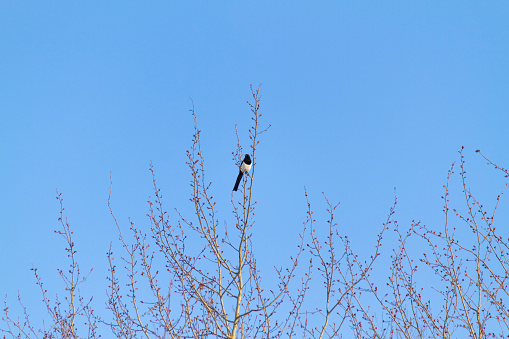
(247, 159)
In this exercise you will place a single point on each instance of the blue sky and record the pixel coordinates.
(362, 97)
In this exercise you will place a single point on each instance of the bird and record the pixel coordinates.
(244, 168)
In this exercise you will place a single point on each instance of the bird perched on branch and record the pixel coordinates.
(244, 168)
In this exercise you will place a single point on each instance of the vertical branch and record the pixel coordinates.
(123, 318)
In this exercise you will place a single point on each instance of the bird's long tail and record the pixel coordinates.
(239, 177)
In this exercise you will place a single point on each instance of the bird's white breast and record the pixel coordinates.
(245, 167)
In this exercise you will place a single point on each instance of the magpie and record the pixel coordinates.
(244, 168)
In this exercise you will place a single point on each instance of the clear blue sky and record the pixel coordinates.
(362, 97)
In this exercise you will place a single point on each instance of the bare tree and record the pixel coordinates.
(342, 273)
(65, 313)
(210, 288)
(192, 277)
(458, 287)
